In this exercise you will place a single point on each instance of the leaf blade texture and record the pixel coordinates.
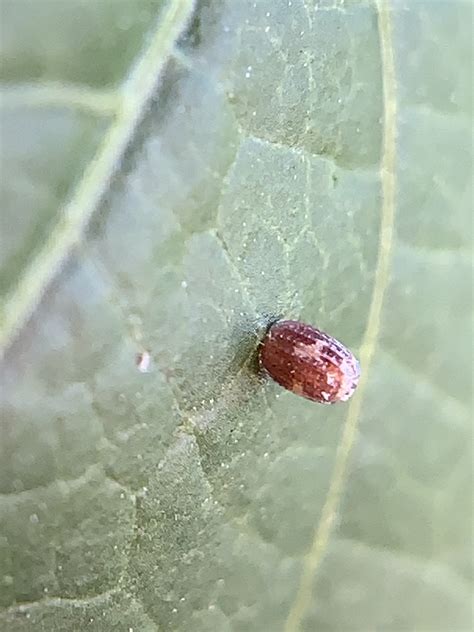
(176, 176)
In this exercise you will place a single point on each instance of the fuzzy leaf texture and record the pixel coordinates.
(175, 174)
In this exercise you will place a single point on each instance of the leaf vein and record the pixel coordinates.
(323, 530)
(67, 234)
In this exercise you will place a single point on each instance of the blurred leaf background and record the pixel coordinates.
(174, 175)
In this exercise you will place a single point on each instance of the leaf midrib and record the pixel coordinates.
(134, 97)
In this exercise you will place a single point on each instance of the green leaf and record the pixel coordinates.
(175, 176)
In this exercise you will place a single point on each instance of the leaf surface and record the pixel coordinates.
(177, 175)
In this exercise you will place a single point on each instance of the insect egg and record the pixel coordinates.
(309, 362)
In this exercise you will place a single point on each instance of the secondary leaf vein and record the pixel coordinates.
(323, 530)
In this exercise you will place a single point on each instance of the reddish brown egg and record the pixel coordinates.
(308, 362)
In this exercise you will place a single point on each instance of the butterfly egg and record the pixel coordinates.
(309, 362)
